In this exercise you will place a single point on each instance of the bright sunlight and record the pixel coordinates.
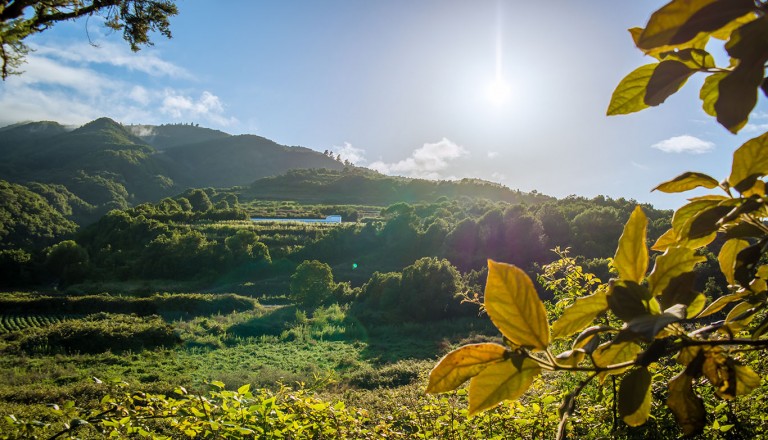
(499, 91)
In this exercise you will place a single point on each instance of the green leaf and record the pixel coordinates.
(727, 257)
(458, 366)
(751, 159)
(746, 264)
(631, 258)
(501, 381)
(687, 407)
(684, 216)
(514, 307)
(218, 384)
(628, 300)
(673, 263)
(710, 91)
(687, 181)
(668, 77)
(244, 389)
(580, 314)
(629, 95)
(694, 58)
(635, 397)
(681, 21)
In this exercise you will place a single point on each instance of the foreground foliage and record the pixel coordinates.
(632, 327)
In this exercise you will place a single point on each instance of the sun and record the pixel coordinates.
(499, 91)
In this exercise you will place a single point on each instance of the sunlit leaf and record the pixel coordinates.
(458, 366)
(635, 397)
(661, 52)
(244, 389)
(727, 257)
(514, 306)
(587, 339)
(694, 58)
(687, 181)
(629, 95)
(687, 407)
(680, 21)
(580, 314)
(668, 77)
(570, 358)
(710, 91)
(506, 380)
(746, 379)
(720, 303)
(667, 239)
(610, 353)
(631, 258)
(741, 314)
(673, 263)
(751, 159)
(684, 216)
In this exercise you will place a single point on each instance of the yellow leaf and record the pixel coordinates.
(666, 240)
(580, 314)
(681, 21)
(687, 181)
(635, 397)
(629, 95)
(570, 358)
(687, 407)
(751, 159)
(506, 380)
(631, 258)
(727, 257)
(674, 262)
(458, 366)
(610, 353)
(514, 306)
(746, 379)
(720, 303)
(710, 91)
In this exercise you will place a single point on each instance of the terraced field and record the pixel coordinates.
(13, 323)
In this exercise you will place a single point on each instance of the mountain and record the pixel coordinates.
(367, 187)
(109, 165)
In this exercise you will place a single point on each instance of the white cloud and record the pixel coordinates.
(493, 154)
(684, 144)
(350, 153)
(71, 86)
(755, 127)
(113, 54)
(426, 162)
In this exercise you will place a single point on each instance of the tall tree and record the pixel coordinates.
(22, 18)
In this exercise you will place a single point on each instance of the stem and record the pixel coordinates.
(718, 342)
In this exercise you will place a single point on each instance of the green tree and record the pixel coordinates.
(312, 283)
(429, 290)
(651, 319)
(68, 261)
(21, 18)
(200, 201)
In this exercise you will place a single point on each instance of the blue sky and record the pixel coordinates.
(399, 86)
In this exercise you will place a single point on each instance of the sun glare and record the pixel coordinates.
(499, 91)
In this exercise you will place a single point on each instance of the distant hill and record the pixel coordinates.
(109, 165)
(367, 187)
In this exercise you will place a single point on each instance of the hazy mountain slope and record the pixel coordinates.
(237, 160)
(173, 135)
(364, 186)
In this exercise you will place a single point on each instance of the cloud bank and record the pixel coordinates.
(79, 83)
(684, 144)
(426, 162)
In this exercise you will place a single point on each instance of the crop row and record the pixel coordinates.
(13, 323)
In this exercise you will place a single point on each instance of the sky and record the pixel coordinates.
(504, 90)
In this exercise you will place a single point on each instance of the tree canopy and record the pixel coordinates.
(21, 18)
